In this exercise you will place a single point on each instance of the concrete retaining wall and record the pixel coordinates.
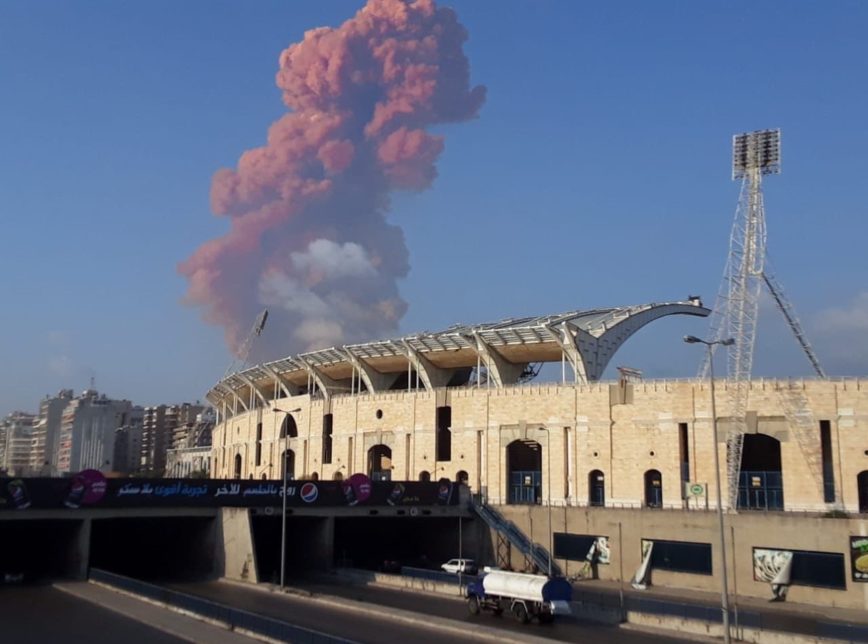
(626, 528)
(236, 558)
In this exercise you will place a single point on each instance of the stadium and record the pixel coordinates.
(631, 460)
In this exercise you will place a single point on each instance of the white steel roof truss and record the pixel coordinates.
(585, 329)
(253, 388)
(231, 391)
(278, 379)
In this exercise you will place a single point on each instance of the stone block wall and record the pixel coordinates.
(621, 431)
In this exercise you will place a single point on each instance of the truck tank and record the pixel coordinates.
(537, 588)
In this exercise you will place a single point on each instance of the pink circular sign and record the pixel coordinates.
(357, 489)
(85, 488)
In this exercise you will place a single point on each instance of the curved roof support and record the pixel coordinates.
(569, 339)
(500, 370)
(286, 387)
(374, 380)
(588, 338)
(253, 388)
(231, 392)
(432, 376)
(613, 337)
(325, 384)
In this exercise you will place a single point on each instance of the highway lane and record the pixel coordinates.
(40, 613)
(371, 629)
(300, 611)
(566, 629)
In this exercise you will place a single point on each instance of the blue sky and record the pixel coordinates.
(597, 174)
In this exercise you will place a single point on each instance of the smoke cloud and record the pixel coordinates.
(308, 234)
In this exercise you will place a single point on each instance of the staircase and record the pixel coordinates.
(509, 536)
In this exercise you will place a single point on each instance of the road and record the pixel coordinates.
(37, 614)
(373, 629)
(300, 611)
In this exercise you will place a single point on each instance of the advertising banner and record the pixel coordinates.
(774, 567)
(91, 489)
(859, 558)
(642, 577)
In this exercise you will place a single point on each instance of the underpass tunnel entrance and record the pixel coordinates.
(524, 465)
(43, 549)
(308, 545)
(761, 483)
(387, 543)
(155, 548)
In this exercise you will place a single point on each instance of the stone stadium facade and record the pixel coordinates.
(453, 405)
(628, 460)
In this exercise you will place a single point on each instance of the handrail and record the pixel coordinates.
(534, 551)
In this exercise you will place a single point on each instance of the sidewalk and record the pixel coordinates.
(821, 621)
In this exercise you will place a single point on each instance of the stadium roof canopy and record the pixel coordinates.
(504, 350)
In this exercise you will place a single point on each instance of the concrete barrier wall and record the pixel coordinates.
(362, 577)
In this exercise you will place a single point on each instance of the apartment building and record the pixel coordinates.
(87, 432)
(16, 439)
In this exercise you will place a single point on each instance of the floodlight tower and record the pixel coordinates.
(754, 155)
(239, 360)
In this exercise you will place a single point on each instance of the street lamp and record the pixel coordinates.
(549, 492)
(724, 591)
(283, 494)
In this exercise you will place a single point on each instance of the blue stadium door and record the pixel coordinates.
(524, 463)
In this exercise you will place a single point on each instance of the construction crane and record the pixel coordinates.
(239, 361)
(755, 154)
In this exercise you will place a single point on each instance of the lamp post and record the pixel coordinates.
(283, 495)
(724, 591)
(549, 492)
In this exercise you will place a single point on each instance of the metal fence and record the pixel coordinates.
(234, 618)
(437, 575)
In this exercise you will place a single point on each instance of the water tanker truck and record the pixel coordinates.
(525, 596)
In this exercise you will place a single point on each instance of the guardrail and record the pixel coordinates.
(437, 575)
(233, 618)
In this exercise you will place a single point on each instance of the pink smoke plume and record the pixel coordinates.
(308, 237)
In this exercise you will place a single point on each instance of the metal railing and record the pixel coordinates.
(534, 552)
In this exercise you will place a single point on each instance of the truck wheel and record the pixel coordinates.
(473, 605)
(519, 611)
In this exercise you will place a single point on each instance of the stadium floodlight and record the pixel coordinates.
(760, 150)
(736, 312)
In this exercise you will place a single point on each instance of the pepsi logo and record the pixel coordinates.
(309, 492)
